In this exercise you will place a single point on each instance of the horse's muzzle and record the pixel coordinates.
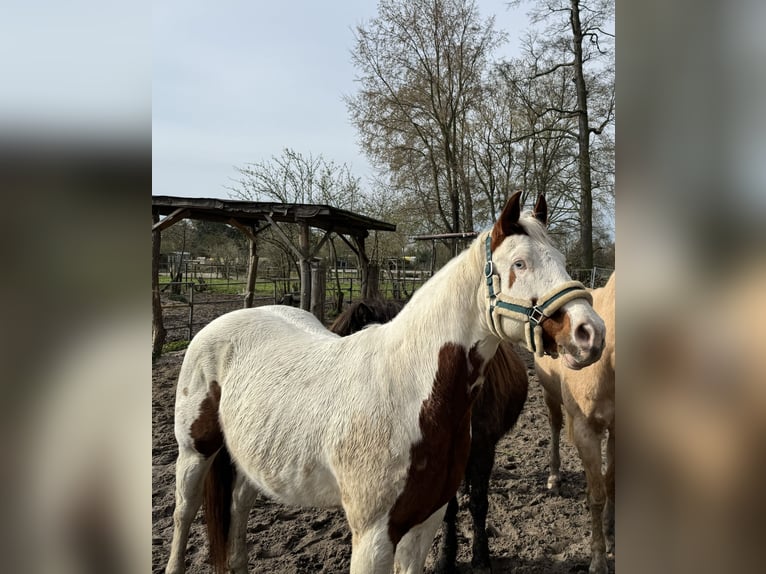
(586, 346)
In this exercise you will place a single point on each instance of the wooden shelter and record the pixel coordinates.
(252, 217)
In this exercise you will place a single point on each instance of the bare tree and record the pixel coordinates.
(420, 68)
(296, 178)
(576, 40)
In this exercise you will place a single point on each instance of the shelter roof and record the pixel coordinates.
(255, 213)
(461, 235)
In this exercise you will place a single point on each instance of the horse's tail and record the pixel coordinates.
(219, 484)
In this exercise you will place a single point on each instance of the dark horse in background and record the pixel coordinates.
(495, 412)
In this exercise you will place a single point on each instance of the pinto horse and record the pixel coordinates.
(495, 411)
(588, 398)
(377, 422)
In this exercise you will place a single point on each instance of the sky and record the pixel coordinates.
(236, 82)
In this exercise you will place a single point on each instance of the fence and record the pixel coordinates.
(594, 277)
(195, 303)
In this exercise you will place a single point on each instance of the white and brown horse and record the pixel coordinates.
(377, 422)
(588, 398)
(494, 413)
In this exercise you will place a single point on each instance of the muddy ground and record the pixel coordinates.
(531, 531)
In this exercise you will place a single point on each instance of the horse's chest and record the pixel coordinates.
(438, 460)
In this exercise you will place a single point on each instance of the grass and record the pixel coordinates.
(174, 346)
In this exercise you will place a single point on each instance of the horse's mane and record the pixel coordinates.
(534, 228)
(364, 312)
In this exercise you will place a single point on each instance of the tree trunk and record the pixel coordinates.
(583, 141)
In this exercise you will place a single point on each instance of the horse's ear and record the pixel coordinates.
(541, 210)
(508, 222)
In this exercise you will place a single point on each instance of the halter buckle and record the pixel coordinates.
(489, 269)
(536, 315)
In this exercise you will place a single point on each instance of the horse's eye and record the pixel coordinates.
(519, 264)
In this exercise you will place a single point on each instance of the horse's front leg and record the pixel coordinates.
(372, 551)
(589, 446)
(479, 470)
(445, 563)
(412, 550)
(555, 420)
(242, 500)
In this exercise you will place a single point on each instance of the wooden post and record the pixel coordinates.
(251, 273)
(364, 264)
(373, 280)
(191, 309)
(318, 284)
(158, 328)
(305, 265)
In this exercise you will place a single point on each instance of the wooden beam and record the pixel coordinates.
(350, 245)
(174, 217)
(246, 230)
(284, 237)
(321, 243)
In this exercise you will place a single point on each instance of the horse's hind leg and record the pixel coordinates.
(609, 480)
(555, 419)
(445, 563)
(191, 468)
(242, 500)
(589, 446)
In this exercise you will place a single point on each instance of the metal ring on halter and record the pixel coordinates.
(489, 269)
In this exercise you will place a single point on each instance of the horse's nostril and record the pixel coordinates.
(584, 334)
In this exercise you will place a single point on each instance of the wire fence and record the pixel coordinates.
(593, 278)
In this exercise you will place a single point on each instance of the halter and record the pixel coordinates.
(525, 310)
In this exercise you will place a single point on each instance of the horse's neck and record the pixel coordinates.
(446, 309)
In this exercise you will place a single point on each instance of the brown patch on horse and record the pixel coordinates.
(498, 234)
(508, 222)
(556, 331)
(205, 430)
(438, 461)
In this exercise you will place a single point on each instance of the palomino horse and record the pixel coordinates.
(377, 422)
(588, 397)
(495, 411)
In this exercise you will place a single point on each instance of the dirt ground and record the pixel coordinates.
(531, 531)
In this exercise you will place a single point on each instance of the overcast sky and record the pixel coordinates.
(237, 81)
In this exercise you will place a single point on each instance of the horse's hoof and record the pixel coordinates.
(597, 565)
(554, 484)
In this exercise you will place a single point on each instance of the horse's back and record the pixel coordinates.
(235, 346)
